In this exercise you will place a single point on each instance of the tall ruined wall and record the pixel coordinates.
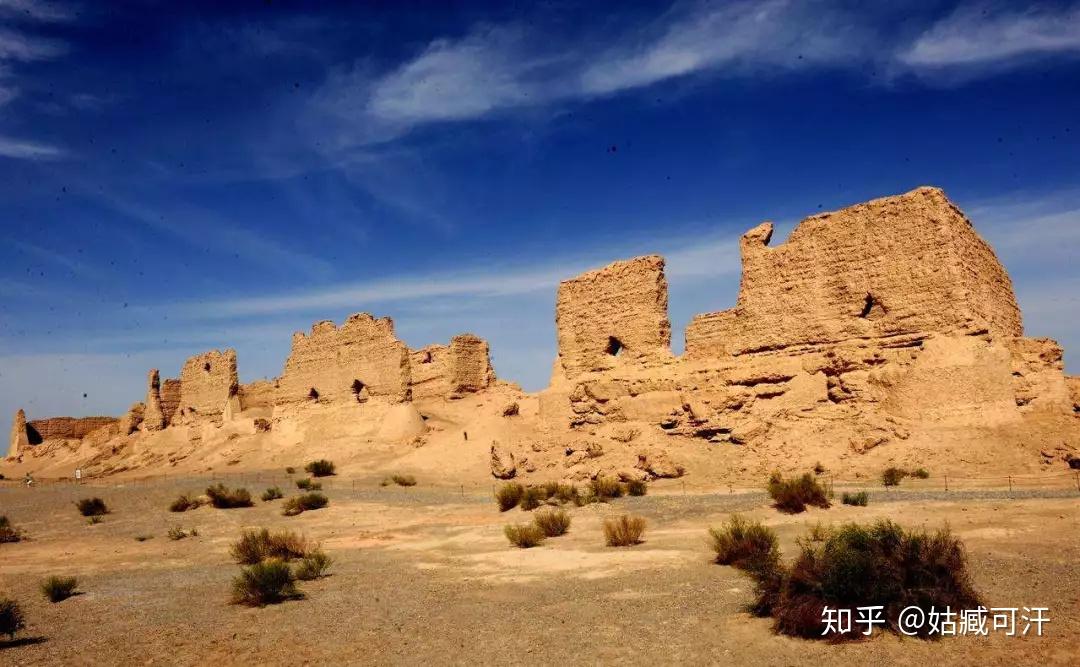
(19, 440)
(170, 399)
(469, 364)
(618, 312)
(257, 394)
(153, 416)
(897, 265)
(362, 356)
(65, 428)
(430, 371)
(207, 381)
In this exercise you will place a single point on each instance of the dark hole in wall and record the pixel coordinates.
(426, 359)
(359, 391)
(614, 346)
(33, 436)
(872, 308)
(313, 394)
(206, 367)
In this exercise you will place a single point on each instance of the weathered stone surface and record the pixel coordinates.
(207, 381)
(64, 428)
(615, 315)
(19, 440)
(892, 266)
(429, 371)
(262, 425)
(153, 414)
(469, 364)
(659, 464)
(170, 399)
(332, 364)
(502, 462)
(131, 420)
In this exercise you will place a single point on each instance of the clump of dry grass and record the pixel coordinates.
(313, 565)
(303, 503)
(273, 493)
(532, 498)
(624, 531)
(8, 533)
(400, 480)
(509, 495)
(893, 476)
(184, 503)
(265, 582)
(11, 617)
(524, 535)
(321, 468)
(859, 499)
(222, 497)
(793, 495)
(258, 545)
(553, 522)
(606, 488)
(56, 589)
(636, 487)
(747, 545)
(92, 507)
(307, 484)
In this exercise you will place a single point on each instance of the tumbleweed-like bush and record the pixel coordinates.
(92, 507)
(624, 531)
(56, 589)
(222, 497)
(793, 495)
(524, 535)
(553, 522)
(303, 503)
(509, 495)
(266, 582)
(320, 468)
(258, 545)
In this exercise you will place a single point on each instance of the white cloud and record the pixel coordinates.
(37, 10)
(21, 149)
(26, 48)
(7, 94)
(976, 35)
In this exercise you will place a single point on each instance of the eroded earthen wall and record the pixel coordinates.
(469, 364)
(361, 357)
(618, 312)
(18, 441)
(207, 381)
(64, 428)
(257, 394)
(170, 399)
(892, 266)
(429, 371)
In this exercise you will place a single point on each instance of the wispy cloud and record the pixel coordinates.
(22, 149)
(983, 34)
(37, 10)
(57, 258)
(24, 47)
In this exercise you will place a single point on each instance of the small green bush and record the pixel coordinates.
(11, 617)
(403, 480)
(509, 495)
(266, 582)
(222, 497)
(8, 533)
(920, 473)
(524, 535)
(56, 589)
(313, 565)
(749, 546)
(793, 495)
(320, 468)
(92, 507)
(94, 520)
(290, 470)
(553, 522)
(624, 531)
(258, 545)
(859, 499)
(566, 493)
(307, 484)
(892, 476)
(636, 487)
(606, 488)
(532, 498)
(303, 503)
(184, 503)
(273, 493)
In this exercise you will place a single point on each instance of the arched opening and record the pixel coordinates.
(313, 394)
(426, 358)
(359, 390)
(614, 346)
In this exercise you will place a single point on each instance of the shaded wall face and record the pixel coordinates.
(170, 399)
(334, 364)
(207, 381)
(67, 428)
(469, 364)
(615, 313)
(430, 371)
(892, 266)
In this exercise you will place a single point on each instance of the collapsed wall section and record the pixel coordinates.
(64, 428)
(469, 364)
(207, 382)
(360, 358)
(892, 266)
(614, 315)
(429, 370)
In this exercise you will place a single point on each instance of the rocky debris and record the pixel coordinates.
(511, 409)
(502, 462)
(131, 420)
(658, 464)
(624, 433)
(262, 425)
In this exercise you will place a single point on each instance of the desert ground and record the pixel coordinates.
(425, 574)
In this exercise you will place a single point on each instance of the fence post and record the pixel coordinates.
(1010, 485)
(946, 483)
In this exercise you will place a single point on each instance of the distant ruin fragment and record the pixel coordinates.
(207, 382)
(19, 440)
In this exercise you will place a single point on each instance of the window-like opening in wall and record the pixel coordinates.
(871, 308)
(426, 359)
(359, 390)
(206, 367)
(313, 394)
(614, 346)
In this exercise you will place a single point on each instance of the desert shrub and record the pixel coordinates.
(313, 565)
(403, 480)
(56, 589)
(553, 522)
(606, 488)
(222, 497)
(273, 493)
(920, 473)
(258, 545)
(307, 484)
(892, 476)
(747, 545)
(290, 470)
(566, 493)
(624, 531)
(11, 617)
(8, 533)
(178, 533)
(303, 503)
(184, 503)
(818, 468)
(263, 583)
(550, 489)
(856, 566)
(92, 507)
(859, 499)
(532, 497)
(793, 495)
(320, 468)
(636, 487)
(509, 495)
(524, 535)
(94, 520)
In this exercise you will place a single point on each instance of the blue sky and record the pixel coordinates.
(176, 177)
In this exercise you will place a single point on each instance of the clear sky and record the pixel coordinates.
(180, 176)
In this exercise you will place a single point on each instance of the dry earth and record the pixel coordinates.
(424, 575)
